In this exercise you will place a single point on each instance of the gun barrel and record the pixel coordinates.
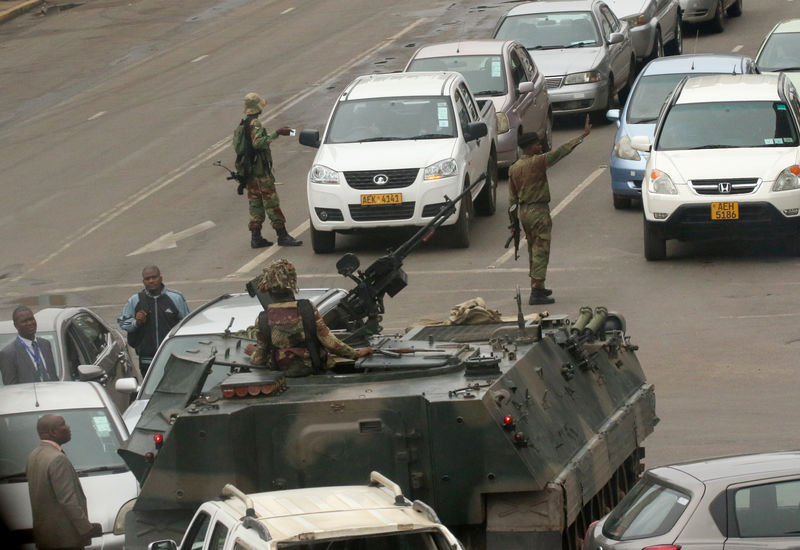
(597, 323)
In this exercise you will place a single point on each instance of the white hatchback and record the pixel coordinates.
(724, 162)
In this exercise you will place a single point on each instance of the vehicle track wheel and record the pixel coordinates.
(718, 23)
(675, 47)
(486, 203)
(736, 9)
(658, 46)
(323, 242)
(621, 202)
(458, 233)
(655, 247)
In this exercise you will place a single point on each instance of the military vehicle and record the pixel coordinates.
(518, 434)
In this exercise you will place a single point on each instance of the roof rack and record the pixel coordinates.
(250, 520)
(378, 479)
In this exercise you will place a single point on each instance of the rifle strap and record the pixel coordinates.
(306, 311)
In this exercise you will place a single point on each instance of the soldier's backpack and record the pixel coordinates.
(243, 145)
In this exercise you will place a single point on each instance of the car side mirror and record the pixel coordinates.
(89, 372)
(613, 115)
(475, 130)
(615, 38)
(525, 88)
(126, 385)
(641, 143)
(163, 545)
(309, 138)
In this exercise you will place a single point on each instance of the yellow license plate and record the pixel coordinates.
(724, 210)
(383, 198)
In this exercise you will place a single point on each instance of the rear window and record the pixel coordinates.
(648, 510)
(485, 74)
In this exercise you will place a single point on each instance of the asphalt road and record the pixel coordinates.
(111, 113)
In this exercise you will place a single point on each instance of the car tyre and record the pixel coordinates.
(736, 9)
(323, 242)
(458, 233)
(717, 24)
(658, 47)
(486, 202)
(621, 202)
(675, 47)
(655, 246)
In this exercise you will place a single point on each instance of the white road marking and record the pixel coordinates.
(144, 193)
(737, 48)
(97, 115)
(196, 59)
(284, 12)
(264, 256)
(170, 240)
(561, 206)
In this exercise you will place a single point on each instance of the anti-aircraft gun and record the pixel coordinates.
(518, 434)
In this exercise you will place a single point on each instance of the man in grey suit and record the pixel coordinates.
(27, 358)
(60, 518)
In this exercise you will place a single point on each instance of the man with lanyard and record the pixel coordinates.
(27, 358)
(149, 315)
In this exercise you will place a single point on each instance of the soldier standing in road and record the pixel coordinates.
(529, 194)
(291, 334)
(254, 162)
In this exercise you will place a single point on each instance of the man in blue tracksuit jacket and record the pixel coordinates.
(150, 314)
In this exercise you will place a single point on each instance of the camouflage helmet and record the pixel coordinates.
(280, 274)
(253, 104)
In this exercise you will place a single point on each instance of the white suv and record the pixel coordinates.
(375, 516)
(724, 163)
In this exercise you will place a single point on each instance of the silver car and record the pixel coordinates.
(736, 503)
(655, 26)
(78, 337)
(710, 12)
(503, 72)
(583, 49)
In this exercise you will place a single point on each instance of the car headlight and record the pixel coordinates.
(624, 150)
(503, 125)
(323, 174)
(787, 179)
(442, 169)
(661, 184)
(637, 20)
(119, 521)
(582, 78)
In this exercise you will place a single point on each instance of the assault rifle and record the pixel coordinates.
(361, 310)
(513, 217)
(234, 176)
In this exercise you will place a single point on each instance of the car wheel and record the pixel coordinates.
(718, 23)
(655, 247)
(658, 46)
(621, 202)
(323, 242)
(736, 9)
(486, 203)
(676, 45)
(459, 232)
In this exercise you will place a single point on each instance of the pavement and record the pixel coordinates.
(9, 9)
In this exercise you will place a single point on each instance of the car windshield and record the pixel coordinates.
(391, 119)
(546, 31)
(6, 339)
(92, 449)
(426, 540)
(649, 95)
(484, 74)
(727, 125)
(648, 510)
(780, 53)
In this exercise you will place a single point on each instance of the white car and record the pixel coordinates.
(724, 163)
(97, 432)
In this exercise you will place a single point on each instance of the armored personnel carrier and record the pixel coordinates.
(517, 434)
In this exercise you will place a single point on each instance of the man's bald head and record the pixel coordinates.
(54, 428)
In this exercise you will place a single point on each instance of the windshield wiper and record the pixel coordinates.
(118, 468)
(20, 476)
(642, 120)
(431, 136)
(716, 146)
(788, 69)
(379, 138)
(489, 92)
(582, 43)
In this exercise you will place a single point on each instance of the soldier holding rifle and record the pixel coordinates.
(529, 204)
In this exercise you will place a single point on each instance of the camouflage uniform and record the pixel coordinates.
(529, 189)
(289, 351)
(261, 192)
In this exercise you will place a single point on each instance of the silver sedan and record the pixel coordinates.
(655, 26)
(710, 12)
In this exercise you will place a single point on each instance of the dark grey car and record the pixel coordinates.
(736, 503)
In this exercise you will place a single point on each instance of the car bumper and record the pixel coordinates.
(642, 39)
(699, 12)
(339, 208)
(507, 148)
(626, 176)
(578, 98)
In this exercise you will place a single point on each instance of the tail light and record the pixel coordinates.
(663, 547)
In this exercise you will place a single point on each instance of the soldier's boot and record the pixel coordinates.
(541, 296)
(284, 239)
(257, 241)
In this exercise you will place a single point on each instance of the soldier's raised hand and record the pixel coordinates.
(283, 131)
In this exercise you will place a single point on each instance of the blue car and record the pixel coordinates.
(639, 115)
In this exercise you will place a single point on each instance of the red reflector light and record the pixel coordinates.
(158, 438)
(508, 420)
(519, 437)
(240, 391)
(148, 457)
(227, 393)
(663, 547)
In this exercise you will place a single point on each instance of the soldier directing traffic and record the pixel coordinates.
(254, 162)
(529, 198)
(291, 334)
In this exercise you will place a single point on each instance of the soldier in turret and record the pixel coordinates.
(291, 334)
